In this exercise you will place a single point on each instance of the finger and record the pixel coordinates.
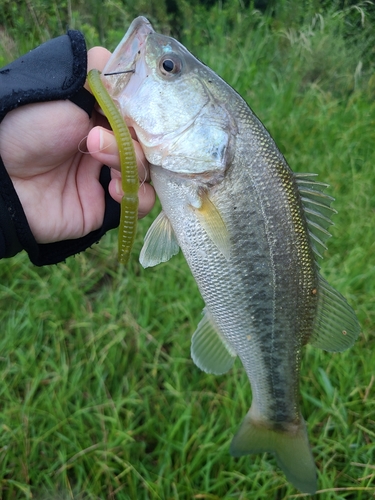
(97, 58)
(146, 195)
(102, 145)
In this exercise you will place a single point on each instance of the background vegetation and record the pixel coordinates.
(99, 398)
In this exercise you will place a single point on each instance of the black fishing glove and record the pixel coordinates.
(56, 70)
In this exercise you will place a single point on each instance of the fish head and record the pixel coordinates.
(170, 98)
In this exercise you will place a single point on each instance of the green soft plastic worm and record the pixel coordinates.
(129, 172)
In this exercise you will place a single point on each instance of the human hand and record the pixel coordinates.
(42, 147)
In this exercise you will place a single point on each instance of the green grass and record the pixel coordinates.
(99, 398)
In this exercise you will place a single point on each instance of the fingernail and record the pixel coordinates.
(118, 187)
(101, 139)
(107, 142)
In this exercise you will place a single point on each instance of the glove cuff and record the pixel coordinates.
(16, 235)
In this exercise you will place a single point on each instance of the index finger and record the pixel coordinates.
(97, 58)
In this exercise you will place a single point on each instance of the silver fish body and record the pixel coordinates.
(249, 229)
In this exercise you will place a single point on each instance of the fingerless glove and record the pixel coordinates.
(56, 70)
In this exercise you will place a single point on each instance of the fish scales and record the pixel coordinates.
(263, 272)
(277, 259)
(247, 226)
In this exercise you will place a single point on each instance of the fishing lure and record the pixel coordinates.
(129, 172)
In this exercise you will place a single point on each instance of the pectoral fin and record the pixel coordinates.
(160, 243)
(213, 224)
(336, 326)
(209, 350)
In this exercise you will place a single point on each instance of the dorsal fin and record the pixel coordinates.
(318, 211)
(336, 327)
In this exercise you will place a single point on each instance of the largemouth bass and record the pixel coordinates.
(250, 230)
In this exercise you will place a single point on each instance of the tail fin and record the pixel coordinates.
(290, 447)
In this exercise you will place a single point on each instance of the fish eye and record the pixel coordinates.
(170, 65)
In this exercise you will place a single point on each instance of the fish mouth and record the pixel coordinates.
(122, 75)
(129, 49)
